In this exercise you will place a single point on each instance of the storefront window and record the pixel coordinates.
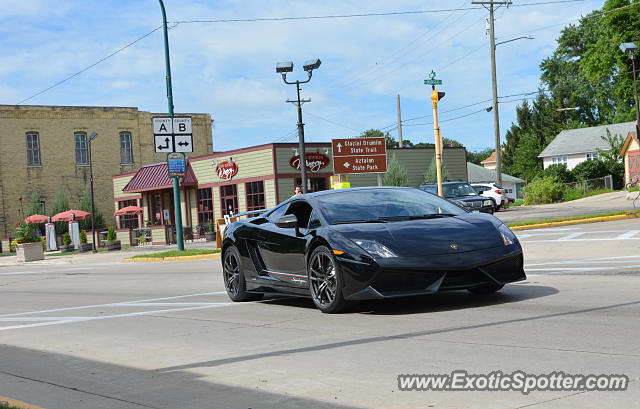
(156, 209)
(255, 195)
(128, 221)
(229, 199)
(205, 205)
(313, 184)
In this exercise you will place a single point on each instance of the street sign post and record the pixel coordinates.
(176, 165)
(359, 155)
(172, 135)
(433, 82)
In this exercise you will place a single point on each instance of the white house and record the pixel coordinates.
(573, 146)
(510, 184)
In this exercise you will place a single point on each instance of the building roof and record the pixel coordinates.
(627, 142)
(583, 140)
(479, 174)
(491, 158)
(156, 177)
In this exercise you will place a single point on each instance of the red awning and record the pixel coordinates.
(156, 177)
(129, 210)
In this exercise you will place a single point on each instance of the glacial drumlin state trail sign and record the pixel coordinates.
(359, 155)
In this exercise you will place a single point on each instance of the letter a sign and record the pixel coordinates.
(172, 134)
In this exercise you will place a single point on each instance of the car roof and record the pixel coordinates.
(352, 189)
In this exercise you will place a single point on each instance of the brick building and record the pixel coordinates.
(44, 149)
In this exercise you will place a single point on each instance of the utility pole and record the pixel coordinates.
(399, 124)
(303, 155)
(176, 182)
(496, 116)
(435, 97)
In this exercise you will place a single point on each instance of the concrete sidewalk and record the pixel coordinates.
(104, 256)
(604, 203)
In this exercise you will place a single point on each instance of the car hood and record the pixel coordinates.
(424, 237)
(466, 198)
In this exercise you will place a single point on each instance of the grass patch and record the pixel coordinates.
(5, 255)
(573, 194)
(176, 253)
(518, 202)
(633, 189)
(561, 219)
(5, 405)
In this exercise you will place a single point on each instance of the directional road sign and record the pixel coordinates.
(359, 155)
(433, 82)
(172, 135)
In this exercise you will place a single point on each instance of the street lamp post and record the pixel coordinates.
(176, 182)
(284, 68)
(631, 49)
(93, 136)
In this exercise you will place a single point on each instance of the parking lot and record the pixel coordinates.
(165, 335)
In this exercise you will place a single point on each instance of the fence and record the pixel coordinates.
(590, 184)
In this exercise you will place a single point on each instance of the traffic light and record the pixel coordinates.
(436, 95)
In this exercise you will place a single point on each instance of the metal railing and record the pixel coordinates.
(589, 185)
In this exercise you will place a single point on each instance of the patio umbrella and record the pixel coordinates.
(129, 210)
(66, 216)
(37, 218)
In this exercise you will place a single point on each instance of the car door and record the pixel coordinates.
(283, 249)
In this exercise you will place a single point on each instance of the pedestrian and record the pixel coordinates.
(297, 191)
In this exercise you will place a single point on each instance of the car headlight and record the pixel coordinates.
(507, 235)
(487, 203)
(375, 249)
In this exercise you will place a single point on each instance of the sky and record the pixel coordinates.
(227, 69)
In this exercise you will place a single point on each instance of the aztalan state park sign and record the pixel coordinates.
(359, 155)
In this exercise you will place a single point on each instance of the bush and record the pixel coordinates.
(544, 190)
(83, 237)
(590, 169)
(560, 172)
(396, 174)
(211, 226)
(66, 239)
(111, 235)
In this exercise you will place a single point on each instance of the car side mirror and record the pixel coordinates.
(480, 191)
(289, 221)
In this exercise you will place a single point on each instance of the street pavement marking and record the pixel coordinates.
(617, 259)
(628, 234)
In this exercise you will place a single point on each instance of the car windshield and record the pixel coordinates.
(458, 189)
(383, 205)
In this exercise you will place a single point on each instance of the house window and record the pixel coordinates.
(129, 221)
(559, 160)
(126, 154)
(205, 205)
(229, 199)
(81, 148)
(255, 195)
(33, 149)
(592, 156)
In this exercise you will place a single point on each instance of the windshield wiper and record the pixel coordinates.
(433, 216)
(359, 221)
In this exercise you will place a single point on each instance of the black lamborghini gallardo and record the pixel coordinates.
(354, 244)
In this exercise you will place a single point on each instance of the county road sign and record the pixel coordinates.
(172, 134)
(359, 155)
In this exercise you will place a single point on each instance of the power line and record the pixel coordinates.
(450, 119)
(331, 122)
(91, 66)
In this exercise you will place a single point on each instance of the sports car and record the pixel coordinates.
(345, 245)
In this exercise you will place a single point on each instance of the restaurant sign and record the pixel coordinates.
(315, 161)
(226, 170)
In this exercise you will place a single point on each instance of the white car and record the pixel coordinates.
(493, 191)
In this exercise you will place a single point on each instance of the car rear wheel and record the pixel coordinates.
(234, 278)
(486, 289)
(325, 282)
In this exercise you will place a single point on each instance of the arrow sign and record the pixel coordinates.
(346, 164)
(163, 143)
(184, 143)
(339, 145)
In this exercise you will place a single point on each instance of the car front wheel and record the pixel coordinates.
(234, 281)
(325, 283)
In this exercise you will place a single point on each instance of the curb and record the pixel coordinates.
(578, 221)
(178, 258)
(17, 403)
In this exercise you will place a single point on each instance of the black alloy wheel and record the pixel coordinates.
(325, 283)
(234, 279)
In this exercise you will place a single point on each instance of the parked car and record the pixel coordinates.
(493, 191)
(462, 194)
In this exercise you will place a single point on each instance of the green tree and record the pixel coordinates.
(35, 205)
(396, 174)
(431, 174)
(612, 159)
(61, 204)
(478, 156)
(85, 204)
(560, 172)
(590, 169)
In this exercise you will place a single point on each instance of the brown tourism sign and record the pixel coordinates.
(359, 155)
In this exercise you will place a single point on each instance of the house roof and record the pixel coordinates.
(479, 174)
(627, 142)
(491, 158)
(584, 140)
(156, 177)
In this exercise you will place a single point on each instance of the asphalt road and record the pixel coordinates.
(164, 335)
(608, 202)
